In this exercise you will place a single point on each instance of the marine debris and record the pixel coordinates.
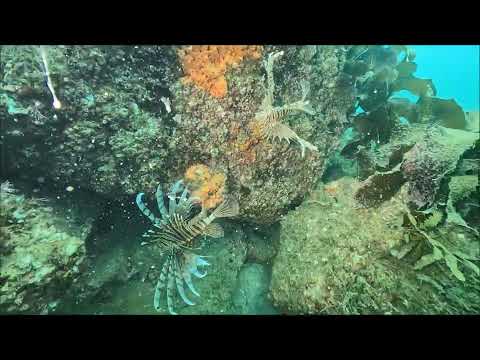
(43, 53)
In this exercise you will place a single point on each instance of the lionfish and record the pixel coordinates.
(174, 234)
(270, 116)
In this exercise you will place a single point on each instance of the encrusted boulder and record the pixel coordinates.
(325, 242)
(135, 116)
(42, 253)
(251, 293)
(423, 163)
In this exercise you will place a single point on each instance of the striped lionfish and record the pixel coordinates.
(174, 234)
(270, 116)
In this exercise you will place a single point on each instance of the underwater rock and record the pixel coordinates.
(265, 177)
(446, 113)
(460, 188)
(336, 258)
(111, 117)
(96, 285)
(431, 159)
(217, 288)
(114, 135)
(423, 157)
(251, 293)
(42, 256)
(379, 187)
(326, 240)
(262, 245)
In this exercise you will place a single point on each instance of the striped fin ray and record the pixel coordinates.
(188, 280)
(145, 210)
(160, 203)
(172, 196)
(213, 230)
(184, 206)
(179, 281)
(170, 284)
(281, 132)
(301, 105)
(228, 208)
(160, 286)
(276, 114)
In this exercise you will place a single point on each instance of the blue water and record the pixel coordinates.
(454, 70)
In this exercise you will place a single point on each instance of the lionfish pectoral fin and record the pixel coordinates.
(188, 280)
(144, 209)
(304, 144)
(156, 297)
(199, 275)
(281, 132)
(179, 281)
(201, 262)
(172, 194)
(214, 230)
(160, 285)
(160, 203)
(170, 288)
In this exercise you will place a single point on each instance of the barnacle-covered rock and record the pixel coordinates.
(430, 160)
(262, 244)
(265, 176)
(43, 253)
(422, 159)
(112, 118)
(461, 188)
(251, 293)
(326, 241)
(217, 289)
(336, 258)
(128, 121)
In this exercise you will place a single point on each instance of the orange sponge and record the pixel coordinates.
(206, 65)
(206, 186)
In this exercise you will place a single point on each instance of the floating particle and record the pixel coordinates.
(166, 102)
(69, 188)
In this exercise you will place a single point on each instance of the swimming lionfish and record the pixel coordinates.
(270, 116)
(174, 235)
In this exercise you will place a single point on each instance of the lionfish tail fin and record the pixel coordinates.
(228, 208)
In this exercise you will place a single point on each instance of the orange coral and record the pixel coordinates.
(206, 186)
(206, 65)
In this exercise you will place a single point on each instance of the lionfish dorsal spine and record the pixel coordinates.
(160, 203)
(145, 210)
(172, 196)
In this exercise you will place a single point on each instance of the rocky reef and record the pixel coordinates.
(336, 257)
(351, 200)
(42, 252)
(131, 119)
(392, 240)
